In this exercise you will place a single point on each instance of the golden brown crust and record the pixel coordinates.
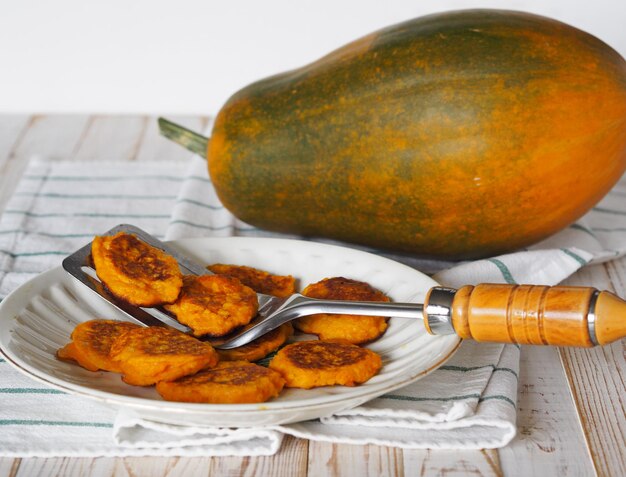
(135, 271)
(214, 305)
(228, 382)
(309, 364)
(259, 280)
(149, 355)
(355, 329)
(91, 343)
(260, 347)
(69, 353)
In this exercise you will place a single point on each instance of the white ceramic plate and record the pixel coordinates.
(37, 319)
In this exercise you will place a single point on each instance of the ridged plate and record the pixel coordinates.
(37, 319)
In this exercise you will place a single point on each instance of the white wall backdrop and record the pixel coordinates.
(189, 56)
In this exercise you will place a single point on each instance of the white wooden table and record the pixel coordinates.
(571, 402)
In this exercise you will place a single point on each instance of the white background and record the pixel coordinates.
(189, 56)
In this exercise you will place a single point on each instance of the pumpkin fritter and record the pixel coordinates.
(259, 280)
(91, 343)
(260, 347)
(214, 305)
(310, 364)
(148, 355)
(355, 329)
(229, 382)
(134, 271)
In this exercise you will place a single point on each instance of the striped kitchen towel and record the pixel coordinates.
(469, 402)
(57, 208)
(60, 206)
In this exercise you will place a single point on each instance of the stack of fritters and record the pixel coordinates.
(183, 368)
(186, 369)
(143, 275)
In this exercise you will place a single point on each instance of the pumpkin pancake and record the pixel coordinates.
(259, 280)
(310, 364)
(134, 271)
(229, 382)
(355, 329)
(214, 305)
(148, 355)
(91, 343)
(260, 347)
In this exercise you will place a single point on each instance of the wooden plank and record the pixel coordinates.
(451, 463)
(12, 128)
(55, 137)
(290, 461)
(65, 466)
(9, 466)
(616, 271)
(549, 438)
(157, 148)
(49, 136)
(340, 460)
(111, 138)
(597, 378)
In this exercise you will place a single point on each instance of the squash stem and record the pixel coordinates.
(193, 141)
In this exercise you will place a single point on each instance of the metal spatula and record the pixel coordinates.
(525, 314)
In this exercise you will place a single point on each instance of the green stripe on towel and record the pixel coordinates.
(54, 195)
(205, 227)
(583, 229)
(87, 214)
(480, 398)
(609, 211)
(210, 227)
(473, 368)
(576, 257)
(499, 397)
(506, 273)
(33, 254)
(44, 234)
(200, 204)
(399, 397)
(30, 391)
(41, 422)
(114, 178)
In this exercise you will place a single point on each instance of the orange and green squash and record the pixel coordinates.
(456, 135)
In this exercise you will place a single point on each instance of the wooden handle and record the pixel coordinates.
(529, 314)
